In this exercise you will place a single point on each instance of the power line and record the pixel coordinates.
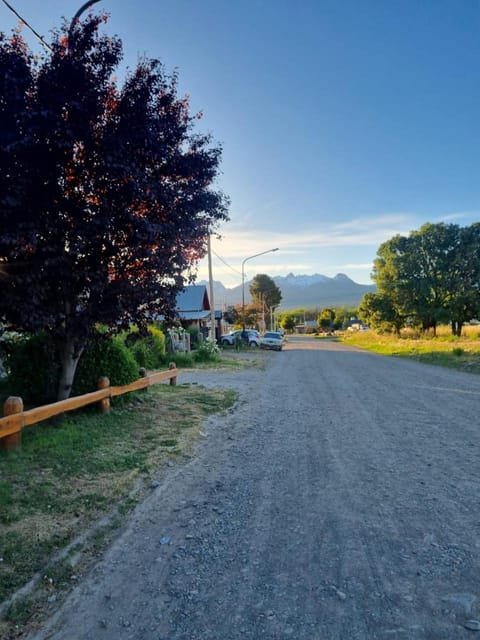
(35, 33)
(226, 263)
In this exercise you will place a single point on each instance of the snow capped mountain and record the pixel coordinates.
(315, 291)
(299, 281)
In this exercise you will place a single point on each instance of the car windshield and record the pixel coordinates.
(272, 335)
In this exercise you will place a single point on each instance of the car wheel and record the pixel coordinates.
(225, 343)
(252, 343)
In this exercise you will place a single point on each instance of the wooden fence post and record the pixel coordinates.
(104, 404)
(143, 374)
(173, 381)
(13, 404)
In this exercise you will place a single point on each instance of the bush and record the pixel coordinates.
(196, 338)
(207, 352)
(104, 356)
(149, 350)
(32, 364)
(181, 359)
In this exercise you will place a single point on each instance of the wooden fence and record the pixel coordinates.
(15, 418)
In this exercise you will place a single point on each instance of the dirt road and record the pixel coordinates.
(339, 500)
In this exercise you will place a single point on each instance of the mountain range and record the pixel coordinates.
(314, 291)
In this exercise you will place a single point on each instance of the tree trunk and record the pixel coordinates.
(69, 356)
(457, 327)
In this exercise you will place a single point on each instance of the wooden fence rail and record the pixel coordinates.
(15, 418)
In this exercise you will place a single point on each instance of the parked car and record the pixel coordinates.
(271, 340)
(252, 338)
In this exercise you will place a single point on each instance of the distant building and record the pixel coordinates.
(192, 306)
(309, 326)
(193, 310)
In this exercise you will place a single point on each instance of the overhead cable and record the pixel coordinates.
(35, 33)
(226, 263)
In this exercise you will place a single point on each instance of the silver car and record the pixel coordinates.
(252, 338)
(271, 340)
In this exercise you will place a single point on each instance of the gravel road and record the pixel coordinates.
(338, 500)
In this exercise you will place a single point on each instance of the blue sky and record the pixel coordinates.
(342, 122)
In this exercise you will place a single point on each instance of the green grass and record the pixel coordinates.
(66, 476)
(231, 359)
(20, 611)
(444, 350)
(171, 442)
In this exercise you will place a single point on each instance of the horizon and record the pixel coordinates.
(299, 275)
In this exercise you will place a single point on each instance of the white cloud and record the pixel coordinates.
(237, 243)
(468, 216)
(352, 266)
(327, 248)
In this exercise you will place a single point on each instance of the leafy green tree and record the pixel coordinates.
(106, 192)
(233, 315)
(410, 272)
(343, 316)
(431, 276)
(265, 292)
(386, 275)
(377, 310)
(326, 319)
(300, 314)
(288, 322)
(252, 315)
(464, 301)
(428, 267)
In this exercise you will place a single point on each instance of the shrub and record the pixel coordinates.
(148, 350)
(7, 340)
(207, 351)
(32, 364)
(196, 338)
(181, 359)
(104, 356)
(458, 351)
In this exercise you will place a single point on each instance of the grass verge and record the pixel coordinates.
(67, 477)
(444, 350)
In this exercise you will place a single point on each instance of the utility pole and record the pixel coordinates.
(210, 283)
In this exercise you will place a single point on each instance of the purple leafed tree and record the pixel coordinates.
(107, 193)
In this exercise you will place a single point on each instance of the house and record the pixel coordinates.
(309, 326)
(193, 310)
(192, 306)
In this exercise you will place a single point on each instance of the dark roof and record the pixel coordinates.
(193, 315)
(192, 304)
(193, 298)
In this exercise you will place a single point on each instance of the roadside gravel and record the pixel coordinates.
(338, 500)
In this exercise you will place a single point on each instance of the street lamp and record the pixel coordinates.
(243, 280)
(83, 8)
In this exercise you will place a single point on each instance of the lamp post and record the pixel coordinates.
(83, 8)
(243, 280)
